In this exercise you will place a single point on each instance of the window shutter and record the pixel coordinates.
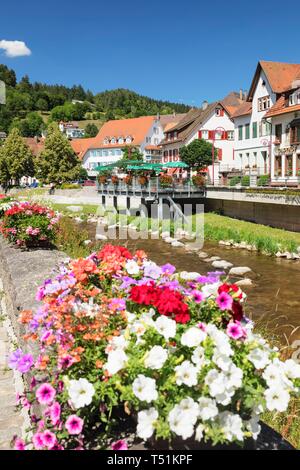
(199, 134)
(210, 135)
(221, 112)
(220, 153)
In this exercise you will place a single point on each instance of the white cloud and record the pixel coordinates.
(14, 48)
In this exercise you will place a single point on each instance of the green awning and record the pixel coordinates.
(175, 165)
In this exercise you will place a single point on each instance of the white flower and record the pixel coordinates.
(90, 308)
(193, 337)
(253, 426)
(189, 276)
(220, 339)
(199, 432)
(233, 376)
(221, 360)
(186, 374)
(211, 289)
(117, 342)
(147, 317)
(226, 397)
(198, 357)
(166, 327)
(259, 358)
(144, 388)
(207, 408)
(274, 375)
(116, 360)
(216, 382)
(138, 327)
(232, 426)
(156, 357)
(146, 418)
(189, 405)
(130, 317)
(291, 369)
(81, 392)
(181, 422)
(277, 399)
(132, 267)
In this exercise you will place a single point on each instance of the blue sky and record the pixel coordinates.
(184, 51)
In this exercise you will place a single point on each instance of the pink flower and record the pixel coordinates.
(224, 301)
(48, 439)
(202, 326)
(54, 412)
(198, 296)
(235, 330)
(45, 394)
(38, 441)
(119, 445)
(74, 424)
(19, 444)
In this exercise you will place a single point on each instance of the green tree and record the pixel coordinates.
(91, 130)
(42, 104)
(132, 153)
(31, 126)
(16, 159)
(8, 76)
(58, 162)
(197, 154)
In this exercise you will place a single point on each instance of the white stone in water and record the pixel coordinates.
(192, 247)
(295, 256)
(214, 258)
(169, 240)
(87, 242)
(298, 249)
(222, 264)
(244, 282)
(222, 242)
(279, 254)
(227, 243)
(99, 236)
(202, 254)
(74, 208)
(240, 270)
(176, 244)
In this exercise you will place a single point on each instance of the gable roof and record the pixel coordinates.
(282, 107)
(280, 75)
(231, 102)
(137, 128)
(35, 144)
(243, 110)
(169, 120)
(80, 146)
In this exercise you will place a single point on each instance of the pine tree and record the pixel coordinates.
(58, 162)
(16, 159)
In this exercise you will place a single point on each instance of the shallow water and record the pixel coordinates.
(275, 297)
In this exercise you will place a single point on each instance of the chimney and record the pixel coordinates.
(241, 94)
(245, 95)
(204, 105)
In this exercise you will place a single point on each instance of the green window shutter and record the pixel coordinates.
(247, 131)
(254, 130)
(240, 132)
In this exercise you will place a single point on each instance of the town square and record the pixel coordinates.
(149, 230)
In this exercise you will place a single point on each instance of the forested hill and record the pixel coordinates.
(29, 106)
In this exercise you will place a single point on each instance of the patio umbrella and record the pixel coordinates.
(175, 165)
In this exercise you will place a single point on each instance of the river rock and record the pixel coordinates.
(279, 254)
(221, 264)
(240, 270)
(154, 233)
(222, 242)
(244, 282)
(193, 247)
(100, 236)
(74, 208)
(295, 256)
(298, 249)
(169, 240)
(202, 254)
(177, 244)
(215, 258)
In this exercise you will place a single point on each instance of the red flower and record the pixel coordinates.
(237, 311)
(145, 294)
(182, 317)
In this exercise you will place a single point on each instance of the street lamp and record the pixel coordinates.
(217, 130)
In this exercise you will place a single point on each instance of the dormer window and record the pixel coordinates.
(106, 141)
(121, 140)
(294, 98)
(113, 140)
(128, 139)
(219, 112)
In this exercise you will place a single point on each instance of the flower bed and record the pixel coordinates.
(173, 350)
(5, 203)
(28, 224)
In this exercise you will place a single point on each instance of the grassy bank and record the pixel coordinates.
(268, 239)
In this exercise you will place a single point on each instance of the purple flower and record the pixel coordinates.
(168, 269)
(235, 330)
(198, 296)
(14, 358)
(152, 270)
(127, 282)
(117, 304)
(119, 445)
(21, 362)
(45, 394)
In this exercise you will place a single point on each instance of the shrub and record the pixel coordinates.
(166, 181)
(234, 181)
(117, 332)
(28, 224)
(198, 180)
(70, 186)
(263, 180)
(245, 181)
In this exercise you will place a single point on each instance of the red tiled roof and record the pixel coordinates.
(231, 102)
(281, 107)
(243, 110)
(80, 146)
(153, 147)
(35, 145)
(137, 128)
(280, 74)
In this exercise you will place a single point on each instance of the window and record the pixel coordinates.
(294, 98)
(230, 135)
(156, 141)
(155, 130)
(106, 141)
(278, 133)
(128, 139)
(175, 134)
(203, 135)
(254, 130)
(240, 132)
(263, 103)
(219, 112)
(247, 131)
(120, 140)
(295, 134)
(264, 128)
(113, 140)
